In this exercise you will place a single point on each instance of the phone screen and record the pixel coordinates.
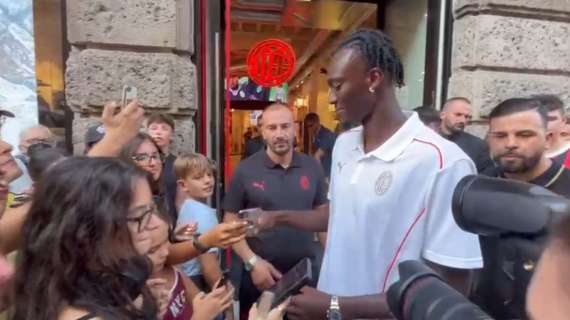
(292, 281)
(251, 216)
(129, 94)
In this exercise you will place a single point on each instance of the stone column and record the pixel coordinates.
(143, 43)
(510, 48)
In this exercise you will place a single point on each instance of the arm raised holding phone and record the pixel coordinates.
(120, 128)
(222, 236)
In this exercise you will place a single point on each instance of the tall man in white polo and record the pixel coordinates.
(392, 181)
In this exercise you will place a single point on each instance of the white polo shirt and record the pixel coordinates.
(391, 205)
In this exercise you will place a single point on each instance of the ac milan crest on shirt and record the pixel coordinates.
(305, 183)
(383, 183)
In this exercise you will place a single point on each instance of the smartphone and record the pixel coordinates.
(295, 279)
(129, 94)
(224, 280)
(251, 216)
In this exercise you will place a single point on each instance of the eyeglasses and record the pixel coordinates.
(33, 141)
(143, 219)
(144, 157)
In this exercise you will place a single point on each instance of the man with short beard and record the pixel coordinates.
(277, 178)
(518, 139)
(455, 116)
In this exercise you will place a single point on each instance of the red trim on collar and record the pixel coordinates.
(439, 153)
(567, 161)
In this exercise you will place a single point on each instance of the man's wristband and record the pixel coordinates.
(198, 245)
(333, 313)
(250, 264)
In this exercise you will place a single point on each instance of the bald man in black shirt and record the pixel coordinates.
(277, 178)
(455, 117)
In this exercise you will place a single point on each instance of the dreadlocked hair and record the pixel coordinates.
(378, 51)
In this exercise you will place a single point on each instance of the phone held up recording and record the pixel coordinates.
(128, 95)
(251, 216)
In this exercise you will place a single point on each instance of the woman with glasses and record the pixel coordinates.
(144, 153)
(123, 138)
(84, 244)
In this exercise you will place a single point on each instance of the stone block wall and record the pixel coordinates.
(184, 139)
(510, 48)
(143, 43)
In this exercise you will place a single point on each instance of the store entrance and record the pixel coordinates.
(312, 29)
(231, 99)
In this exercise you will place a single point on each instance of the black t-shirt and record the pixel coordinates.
(555, 179)
(252, 146)
(168, 181)
(501, 289)
(260, 183)
(561, 158)
(325, 140)
(476, 149)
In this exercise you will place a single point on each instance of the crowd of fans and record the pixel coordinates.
(127, 230)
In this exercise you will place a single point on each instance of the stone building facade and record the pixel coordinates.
(508, 48)
(501, 49)
(143, 43)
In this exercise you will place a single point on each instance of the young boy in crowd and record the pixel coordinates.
(195, 178)
(185, 301)
(160, 126)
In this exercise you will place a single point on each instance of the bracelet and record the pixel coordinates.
(250, 264)
(333, 313)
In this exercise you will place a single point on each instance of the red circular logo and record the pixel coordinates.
(271, 63)
(305, 184)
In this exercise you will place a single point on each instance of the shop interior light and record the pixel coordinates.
(301, 102)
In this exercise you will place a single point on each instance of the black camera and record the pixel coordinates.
(421, 294)
(513, 220)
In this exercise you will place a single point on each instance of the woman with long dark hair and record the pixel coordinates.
(84, 243)
(144, 153)
(123, 138)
